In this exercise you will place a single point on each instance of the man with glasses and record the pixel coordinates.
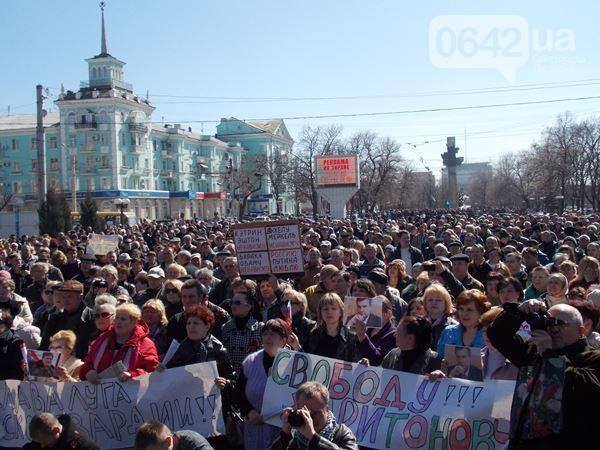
(558, 387)
(319, 429)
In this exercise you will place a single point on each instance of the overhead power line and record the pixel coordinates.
(380, 113)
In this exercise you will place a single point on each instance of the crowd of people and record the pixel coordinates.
(522, 290)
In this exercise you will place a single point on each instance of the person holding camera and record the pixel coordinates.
(558, 387)
(311, 425)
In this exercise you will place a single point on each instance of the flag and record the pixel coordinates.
(286, 309)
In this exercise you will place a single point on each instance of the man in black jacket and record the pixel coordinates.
(558, 388)
(319, 430)
(53, 433)
(75, 317)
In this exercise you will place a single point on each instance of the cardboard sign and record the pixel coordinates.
(269, 247)
(101, 244)
(388, 409)
(110, 412)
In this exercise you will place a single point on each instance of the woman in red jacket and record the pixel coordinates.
(125, 340)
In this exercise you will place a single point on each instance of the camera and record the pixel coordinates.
(539, 320)
(296, 419)
(428, 267)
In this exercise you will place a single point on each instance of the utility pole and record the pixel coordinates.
(41, 146)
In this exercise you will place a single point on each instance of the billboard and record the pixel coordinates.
(336, 171)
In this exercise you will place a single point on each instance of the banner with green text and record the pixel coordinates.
(389, 409)
(109, 413)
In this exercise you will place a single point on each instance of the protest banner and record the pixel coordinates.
(268, 247)
(389, 409)
(101, 244)
(109, 413)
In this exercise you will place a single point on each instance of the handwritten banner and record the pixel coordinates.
(269, 247)
(110, 412)
(101, 244)
(390, 409)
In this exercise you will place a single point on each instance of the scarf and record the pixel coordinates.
(327, 433)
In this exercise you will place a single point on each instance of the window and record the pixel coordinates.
(105, 162)
(90, 184)
(72, 141)
(124, 183)
(103, 117)
(15, 144)
(34, 164)
(16, 167)
(146, 164)
(154, 145)
(105, 183)
(89, 162)
(16, 187)
(125, 160)
(33, 143)
(34, 187)
(52, 143)
(53, 163)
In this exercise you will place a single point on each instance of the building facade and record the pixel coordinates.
(103, 142)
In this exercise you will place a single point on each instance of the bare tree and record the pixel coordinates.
(246, 180)
(278, 173)
(6, 196)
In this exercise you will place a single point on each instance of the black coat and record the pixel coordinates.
(70, 438)
(11, 358)
(210, 349)
(426, 363)
(343, 439)
(346, 345)
(84, 325)
(301, 326)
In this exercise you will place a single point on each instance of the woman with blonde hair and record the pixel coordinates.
(154, 315)
(330, 337)
(588, 273)
(399, 279)
(175, 271)
(126, 341)
(172, 297)
(68, 364)
(438, 304)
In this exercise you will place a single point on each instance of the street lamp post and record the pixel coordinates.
(122, 203)
(17, 201)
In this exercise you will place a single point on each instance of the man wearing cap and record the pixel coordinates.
(75, 316)
(381, 282)
(156, 278)
(460, 269)
(455, 248)
(84, 276)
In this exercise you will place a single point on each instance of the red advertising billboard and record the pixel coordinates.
(336, 171)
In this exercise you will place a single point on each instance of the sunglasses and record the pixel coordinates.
(171, 291)
(48, 291)
(103, 315)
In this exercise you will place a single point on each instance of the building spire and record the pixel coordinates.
(103, 49)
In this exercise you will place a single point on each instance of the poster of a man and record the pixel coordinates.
(366, 310)
(41, 364)
(464, 362)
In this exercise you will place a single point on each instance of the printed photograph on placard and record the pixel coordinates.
(464, 362)
(363, 309)
(41, 363)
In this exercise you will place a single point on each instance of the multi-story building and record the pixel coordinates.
(467, 173)
(103, 141)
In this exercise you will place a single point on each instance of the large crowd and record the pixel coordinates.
(442, 278)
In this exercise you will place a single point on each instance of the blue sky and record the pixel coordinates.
(280, 49)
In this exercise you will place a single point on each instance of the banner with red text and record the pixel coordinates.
(387, 409)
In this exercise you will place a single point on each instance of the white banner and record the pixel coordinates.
(390, 409)
(110, 412)
(101, 244)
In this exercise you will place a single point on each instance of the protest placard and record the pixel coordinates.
(40, 363)
(366, 310)
(389, 409)
(101, 244)
(464, 362)
(268, 247)
(109, 413)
